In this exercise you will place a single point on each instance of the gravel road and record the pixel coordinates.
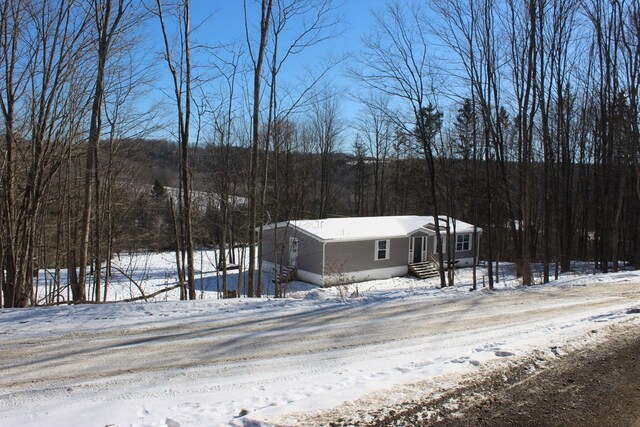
(281, 355)
(595, 386)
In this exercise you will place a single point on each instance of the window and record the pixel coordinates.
(463, 242)
(382, 249)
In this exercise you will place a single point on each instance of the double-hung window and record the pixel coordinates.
(463, 242)
(382, 249)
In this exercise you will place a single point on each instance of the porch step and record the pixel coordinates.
(423, 270)
(283, 274)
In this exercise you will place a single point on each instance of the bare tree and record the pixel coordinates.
(376, 127)
(472, 30)
(126, 80)
(325, 127)
(223, 178)
(107, 21)
(180, 69)
(523, 34)
(316, 23)
(396, 63)
(630, 19)
(611, 147)
(631, 57)
(257, 59)
(11, 27)
(51, 38)
(465, 145)
(360, 179)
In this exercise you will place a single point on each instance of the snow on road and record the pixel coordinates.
(242, 361)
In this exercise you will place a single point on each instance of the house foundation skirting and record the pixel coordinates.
(305, 276)
(267, 266)
(361, 276)
(354, 276)
(309, 277)
(464, 262)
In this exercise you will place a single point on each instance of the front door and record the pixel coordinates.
(293, 252)
(417, 249)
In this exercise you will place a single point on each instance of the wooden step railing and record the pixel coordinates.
(423, 270)
(283, 274)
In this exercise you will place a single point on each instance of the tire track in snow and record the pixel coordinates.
(279, 346)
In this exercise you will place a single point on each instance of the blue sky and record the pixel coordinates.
(222, 21)
(218, 23)
(225, 18)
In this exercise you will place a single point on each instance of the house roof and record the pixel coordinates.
(367, 228)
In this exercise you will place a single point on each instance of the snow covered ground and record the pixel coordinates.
(152, 272)
(281, 362)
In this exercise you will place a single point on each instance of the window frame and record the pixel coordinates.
(435, 244)
(463, 242)
(377, 250)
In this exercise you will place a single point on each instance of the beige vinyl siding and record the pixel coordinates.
(452, 245)
(353, 256)
(276, 248)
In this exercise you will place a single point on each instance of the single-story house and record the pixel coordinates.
(343, 250)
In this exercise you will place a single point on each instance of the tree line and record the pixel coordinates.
(518, 117)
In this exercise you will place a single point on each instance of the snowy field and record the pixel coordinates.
(150, 272)
(309, 359)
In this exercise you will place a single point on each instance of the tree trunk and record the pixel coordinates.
(255, 143)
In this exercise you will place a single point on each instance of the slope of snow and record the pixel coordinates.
(266, 362)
